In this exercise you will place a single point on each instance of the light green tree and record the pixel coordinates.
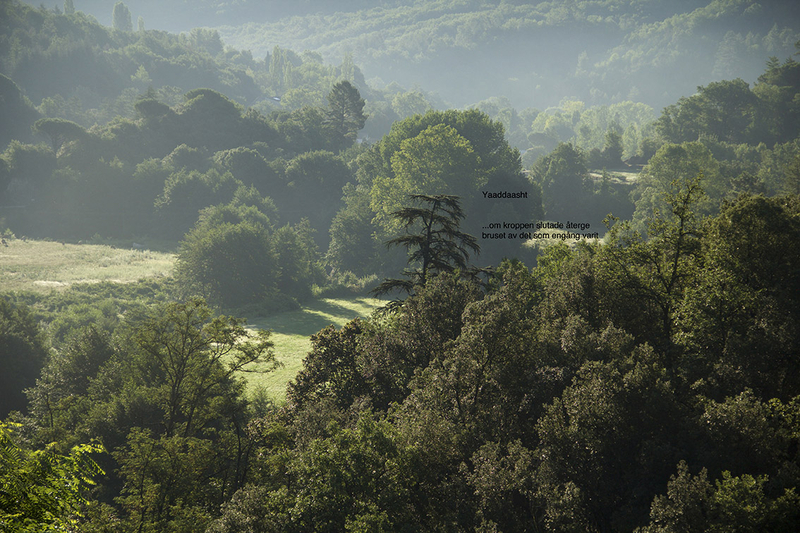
(43, 490)
(436, 161)
(682, 162)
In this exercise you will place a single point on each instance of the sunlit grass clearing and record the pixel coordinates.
(44, 265)
(291, 333)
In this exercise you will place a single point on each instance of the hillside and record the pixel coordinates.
(538, 53)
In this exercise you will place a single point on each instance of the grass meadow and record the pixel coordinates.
(41, 266)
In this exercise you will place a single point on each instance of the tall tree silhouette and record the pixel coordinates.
(345, 114)
(433, 239)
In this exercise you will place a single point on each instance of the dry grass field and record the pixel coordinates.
(46, 265)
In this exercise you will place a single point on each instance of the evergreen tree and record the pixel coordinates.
(345, 115)
(69, 7)
(437, 246)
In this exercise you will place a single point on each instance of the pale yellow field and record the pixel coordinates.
(44, 265)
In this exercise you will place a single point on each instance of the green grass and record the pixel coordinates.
(291, 332)
(42, 266)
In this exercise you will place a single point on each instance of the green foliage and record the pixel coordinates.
(121, 18)
(345, 115)
(248, 166)
(186, 193)
(736, 503)
(231, 264)
(730, 111)
(16, 112)
(654, 274)
(42, 490)
(233, 257)
(611, 50)
(682, 162)
(437, 161)
(297, 259)
(359, 479)
(352, 247)
(741, 305)
(554, 399)
(313, 189)
(59, 131)
(561, 175)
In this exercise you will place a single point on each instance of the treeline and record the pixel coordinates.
(151, 179)
(175, 17)
(727, 112)
(68, 66)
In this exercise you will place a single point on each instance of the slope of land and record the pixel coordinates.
(537, 53)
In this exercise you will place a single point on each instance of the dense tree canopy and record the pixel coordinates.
(643, 380)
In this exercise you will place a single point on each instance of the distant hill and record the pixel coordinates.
(182, 15)
(533, 53)
(536, 53)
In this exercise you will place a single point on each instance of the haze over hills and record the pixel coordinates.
(533, 53)
(595, 310)
(537, 53)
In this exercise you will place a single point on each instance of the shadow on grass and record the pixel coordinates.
(316, 315)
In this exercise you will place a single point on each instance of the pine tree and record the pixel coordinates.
(345, 114)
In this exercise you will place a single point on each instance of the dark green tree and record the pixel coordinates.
(433, 239)
(561, 175)
(345, 114)
(297, 257)
(612, 151)
(230, 263)
(352, 246)
(360, 479)
(745, 300)
(652, 275)
(23, 352)
(181, 412)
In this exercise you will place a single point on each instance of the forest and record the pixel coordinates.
(590, 313)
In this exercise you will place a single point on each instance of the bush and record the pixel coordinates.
(228, 264)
